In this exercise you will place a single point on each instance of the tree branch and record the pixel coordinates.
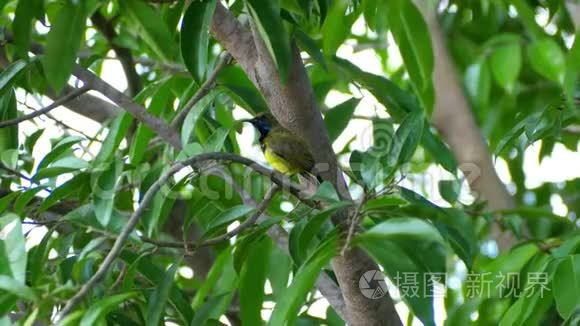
(54, 105)
(89, 106)
(139, 112)
(132, 222)
(226, 236)
(294, 106)
(201, 92)
(86, 105)
(234, 37)
(453, 119)
(123, 54)
(326, 285)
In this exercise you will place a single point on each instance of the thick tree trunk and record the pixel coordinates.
(295, 107)
(453, 118)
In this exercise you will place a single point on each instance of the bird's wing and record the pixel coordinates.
(290, 148)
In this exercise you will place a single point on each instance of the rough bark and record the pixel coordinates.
(453, 118)
(295, 107)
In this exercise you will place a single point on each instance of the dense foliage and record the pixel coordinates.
(61, 211)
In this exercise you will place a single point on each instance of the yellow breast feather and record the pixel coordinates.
(278, 163)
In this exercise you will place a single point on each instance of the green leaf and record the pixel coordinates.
(63, 42)
(9, 158)
(509, 262)
(326, 193)
(230, 215)
(312, 227)
(407, 139)
(310, 46)
(160, 100)
(478, 83)
(252, 280)
(154, 31)
(402, 228)
(7, 200)
(449, 190)
(158, 300)
(147, 267)
(572, 71)
(64, 165)
(547, 59)
(303, 282)
(195, 37)
(388, 202)
(22, 202)
(396, 261)
(23, 23)
(217, 269)
(17, 288)
(397, 101)
(336, 27)
(303, 236)
(38, 258)
(527, 17)
(31, 140)
(506, 63)
(193, 116)
(8, 135)
(99, 309)
(12, 247)
(337, 118)
(238, 86)
(104, 188)
(117, 131)
(85, 216)
(438, 150)
(279, 271)
(216, 141)
(65, 190)
(59, 148)
(566, 285)
(266, 16)
(413, 38)
(9, 73)
(72, 319)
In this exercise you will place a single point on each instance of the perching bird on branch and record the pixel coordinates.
(285, 152)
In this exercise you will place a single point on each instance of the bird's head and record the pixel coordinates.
(264, 122)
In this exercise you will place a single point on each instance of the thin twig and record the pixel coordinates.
(69, 127)
(201, 92)
(139, 112)
(120, 242)
(44, 110)
(106, 27)
(353, 223)
(228, 235)
(132, 222)
(59, 122)
(16, 173)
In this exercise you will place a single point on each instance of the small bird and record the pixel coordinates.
(286, 152)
